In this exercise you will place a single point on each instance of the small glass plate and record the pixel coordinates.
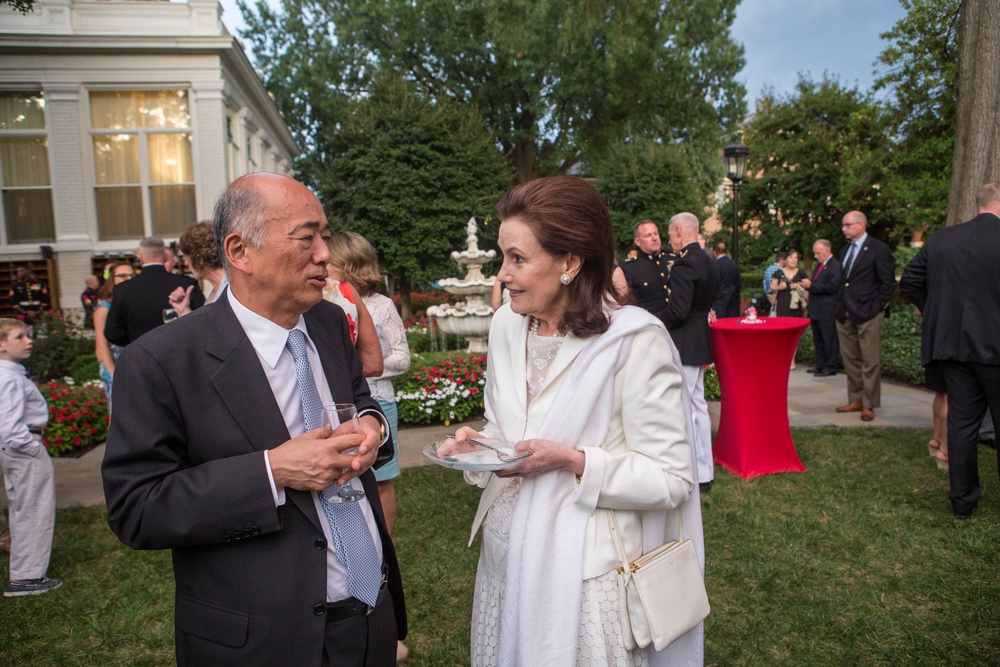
(477, 458)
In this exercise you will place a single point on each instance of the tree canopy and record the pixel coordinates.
(919, 66)
(817, 154)
(407, 174)
(557, 83)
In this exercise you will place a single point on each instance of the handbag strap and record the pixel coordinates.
(617, 538)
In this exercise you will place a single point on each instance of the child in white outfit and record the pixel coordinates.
(27, 468)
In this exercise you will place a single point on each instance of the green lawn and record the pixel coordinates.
(856, 562)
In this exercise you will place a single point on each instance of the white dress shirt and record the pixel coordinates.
(269, 341)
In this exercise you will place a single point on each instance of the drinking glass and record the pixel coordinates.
(343, 417)
(169, 315)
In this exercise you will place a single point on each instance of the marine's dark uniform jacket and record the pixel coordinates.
(646, 276)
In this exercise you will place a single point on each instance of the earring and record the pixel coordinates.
(565, 279)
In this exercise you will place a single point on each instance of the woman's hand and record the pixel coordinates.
(545, 455)
(180, 300)
(457, 444)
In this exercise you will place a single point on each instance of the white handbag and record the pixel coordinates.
(662, 592)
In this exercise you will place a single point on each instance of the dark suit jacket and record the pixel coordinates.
(693, 286)
(868, 289)
(824, 294)
(184, 470)
(955, 281)
(727, 300)
(137, 306)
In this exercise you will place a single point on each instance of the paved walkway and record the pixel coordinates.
(811, 402)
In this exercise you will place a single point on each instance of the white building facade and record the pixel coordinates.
(121, 119)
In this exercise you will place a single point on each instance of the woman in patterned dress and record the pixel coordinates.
(593, 390)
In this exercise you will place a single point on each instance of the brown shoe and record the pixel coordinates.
(867, 415)
(850, 407)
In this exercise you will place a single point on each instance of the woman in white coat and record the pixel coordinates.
(592, 389)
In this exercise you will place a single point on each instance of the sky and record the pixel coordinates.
(783, 38)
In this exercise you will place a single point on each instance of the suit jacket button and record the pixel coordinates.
(246, 533)
(256, 530)
(320, 544)
(319, 609)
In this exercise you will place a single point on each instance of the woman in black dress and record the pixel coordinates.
(791, 285)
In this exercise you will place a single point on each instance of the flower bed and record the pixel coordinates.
(78, 416)
(441, 389)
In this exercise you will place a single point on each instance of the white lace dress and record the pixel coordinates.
(600, 642)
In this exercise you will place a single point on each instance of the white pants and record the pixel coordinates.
(694, 382)
(31, 492)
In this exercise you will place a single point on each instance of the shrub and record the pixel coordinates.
(78, 416)
(421, 301)
(444, 388)
(712, 390)
(58, 344)
(424, 335)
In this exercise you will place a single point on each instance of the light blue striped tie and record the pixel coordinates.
(351, 538)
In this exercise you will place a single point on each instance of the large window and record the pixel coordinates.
(142, 160)
(24, 170)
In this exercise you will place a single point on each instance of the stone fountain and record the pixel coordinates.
(469, 318)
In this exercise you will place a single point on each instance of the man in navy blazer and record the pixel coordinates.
(208, 454)
(138, 304)
(869, 280)
(824, 293)
(955, 281)
(727, 299)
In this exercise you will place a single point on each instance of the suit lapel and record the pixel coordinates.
(568, 351)
(244, 389)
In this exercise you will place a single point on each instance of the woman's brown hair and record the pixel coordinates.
(354, 258)
(567, 215)
(107, 288)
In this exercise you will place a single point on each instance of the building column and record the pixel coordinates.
(210, 162)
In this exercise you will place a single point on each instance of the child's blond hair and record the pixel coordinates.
(8, 324)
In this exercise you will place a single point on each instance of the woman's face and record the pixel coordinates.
(793, 259)
(122, 273)
(532, 275)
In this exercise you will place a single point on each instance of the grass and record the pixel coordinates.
(856, 561)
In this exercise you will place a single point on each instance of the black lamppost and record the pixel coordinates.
(735, 159)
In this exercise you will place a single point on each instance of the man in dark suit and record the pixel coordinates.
(213, 453)
(955, 281)
(869, 280)
(138, 304)
(693, 286)
(727, 300)
(824, 293)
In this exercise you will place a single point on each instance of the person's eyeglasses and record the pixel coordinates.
(123, 276)
(850, 224)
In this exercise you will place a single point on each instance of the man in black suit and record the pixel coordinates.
(869, 280)
(727, 300)
(693, 286)
(955, 281)
(824, 293)
(138, 304)
(212, 453)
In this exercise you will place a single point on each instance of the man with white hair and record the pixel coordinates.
(138, 304)
(693, 286)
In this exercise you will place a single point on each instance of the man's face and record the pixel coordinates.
(821, 252)
(288, 272)
(853, 227)
(648, 239)
(16, 346)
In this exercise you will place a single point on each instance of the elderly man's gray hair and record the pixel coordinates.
(240, 210)
(153, 247)
(823, 242)
(687, 221)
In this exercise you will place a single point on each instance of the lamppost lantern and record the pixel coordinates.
(734, 156)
